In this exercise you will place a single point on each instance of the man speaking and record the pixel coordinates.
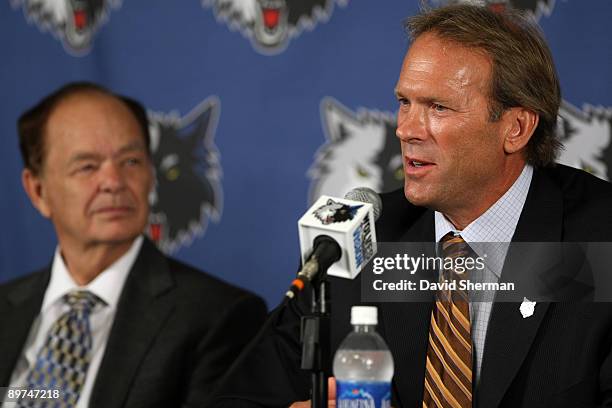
(478, 100)
(111, 322)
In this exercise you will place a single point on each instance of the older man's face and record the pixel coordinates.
(96, 174)
(453, 155)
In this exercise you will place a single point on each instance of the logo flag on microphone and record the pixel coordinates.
(334, 211)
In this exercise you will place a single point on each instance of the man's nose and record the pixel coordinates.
(411, 124)
(111, 177)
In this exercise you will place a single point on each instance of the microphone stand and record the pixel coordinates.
(315, 339)
(315, 329)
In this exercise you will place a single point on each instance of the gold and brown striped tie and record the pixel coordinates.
(448, 373)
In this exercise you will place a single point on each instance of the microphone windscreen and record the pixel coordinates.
(366, 195)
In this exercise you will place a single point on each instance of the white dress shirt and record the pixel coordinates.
(107, 286)
(496, 225)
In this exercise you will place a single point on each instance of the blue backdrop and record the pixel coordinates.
(261, 96)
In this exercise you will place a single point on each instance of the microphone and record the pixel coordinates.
(337, 235)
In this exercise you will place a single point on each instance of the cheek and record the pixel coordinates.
(140, 180)
(438, 127)
(148, 179)
(149, 185)
(490, 144)
(448, 137)
(456, 125)
(65, 195)
(473, 134)
(72, 202)
(140, 188)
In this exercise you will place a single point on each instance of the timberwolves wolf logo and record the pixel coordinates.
(535, 7)
(271, 23)
(334, 211)
(188, 190)
(361, 150)
(73, 21)
(586, 136)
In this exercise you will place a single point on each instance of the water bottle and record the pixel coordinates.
(363, 365)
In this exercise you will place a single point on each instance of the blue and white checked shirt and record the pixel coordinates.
(496, 225)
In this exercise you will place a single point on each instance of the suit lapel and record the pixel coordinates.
(145, 304)
(509, 335)
(406, 326)
(16, 317)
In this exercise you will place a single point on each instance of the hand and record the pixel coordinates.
(331, 396)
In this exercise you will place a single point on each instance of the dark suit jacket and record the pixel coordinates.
(175, 332)
(559, 357)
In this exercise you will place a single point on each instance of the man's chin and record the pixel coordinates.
(416, 197)
(118, 235)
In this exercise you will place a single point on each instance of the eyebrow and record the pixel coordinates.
(423, 99)
(130, 147)
(136, 145)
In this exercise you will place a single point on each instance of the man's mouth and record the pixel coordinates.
(418, 163)
(417, 167)
(113, 211)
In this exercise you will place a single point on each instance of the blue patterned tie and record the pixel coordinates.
(63, 359)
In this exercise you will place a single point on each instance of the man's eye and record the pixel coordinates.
(86, 168)
(403, 101)
(132, 161)
(439, 108)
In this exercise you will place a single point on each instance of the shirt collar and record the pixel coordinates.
(107, 285)
(498, 223)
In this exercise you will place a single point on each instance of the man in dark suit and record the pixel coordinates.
(478, 101)
(112, 322)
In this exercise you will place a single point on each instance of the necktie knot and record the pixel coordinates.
(455, 252)
(82, 300)
(453, 245)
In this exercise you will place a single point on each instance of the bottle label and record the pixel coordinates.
(352, 394)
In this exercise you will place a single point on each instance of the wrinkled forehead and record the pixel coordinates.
(91, 123)
(92, 102)
(431, 57)
(87, 111)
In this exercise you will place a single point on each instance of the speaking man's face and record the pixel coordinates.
(453, 155)
(96, 174)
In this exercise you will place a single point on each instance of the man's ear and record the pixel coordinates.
(34, 188)
(520, 123)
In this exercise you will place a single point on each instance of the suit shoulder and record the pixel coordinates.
(578, 185)
(580, 190)
(191, 280)
(586, 200)
(23, 281)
